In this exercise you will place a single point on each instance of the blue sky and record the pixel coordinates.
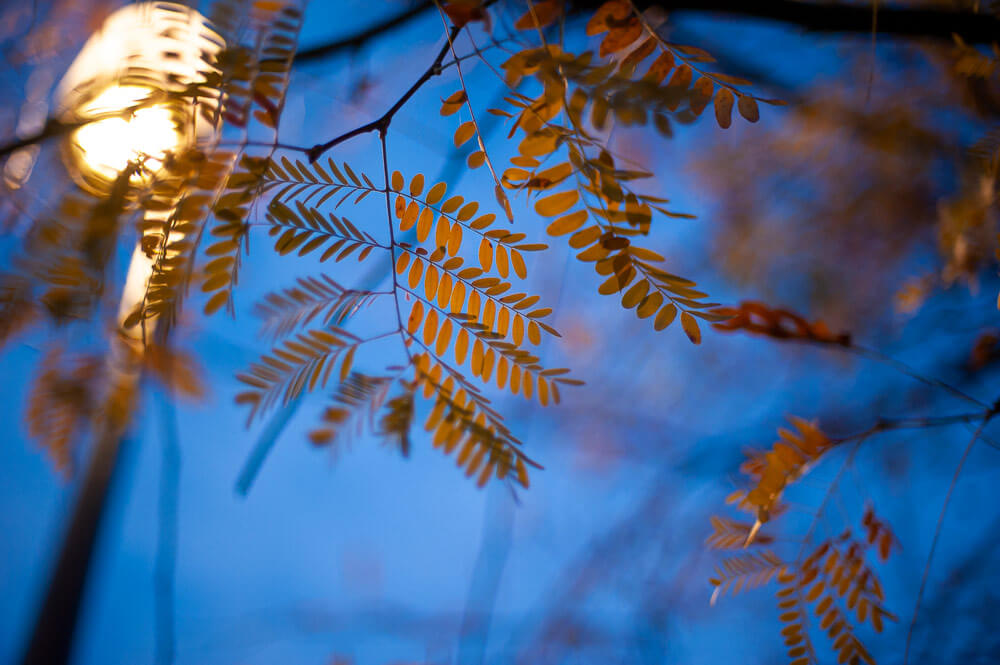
(376, 559)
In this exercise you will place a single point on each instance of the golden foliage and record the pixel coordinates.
(64, 259)
(831, 581)
(397, 419)
(745, 571)
(462, 12)
(230, 233)
(878, 534)
(297, 365)
(354, 392)
(175, 370)
(772, 471)
(611, 215)
(313, 298)
(62, 403)
(253, 83)
(306, 230)
(17, 307)
(253, 79)
(462, 421)
(760, 319)
(834, 580)
(461, 314)
(540, 15)
(454, 217)
(313, 184)
(464, 323)
(170, 228)
(969, 61)
(62, 269)
(729, 534)
(463, 308)
(628, 31)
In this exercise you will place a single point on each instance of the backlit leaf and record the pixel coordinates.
(665, 317)
(556, 204)
(690, 325)
(724, 107)
(748, 108)
(464, 132)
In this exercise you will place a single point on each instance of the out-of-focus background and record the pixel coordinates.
(859, 203)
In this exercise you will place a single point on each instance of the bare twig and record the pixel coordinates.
(937, 529)
(392, 239)
(501, 197)
(381, 124)
(937, 24)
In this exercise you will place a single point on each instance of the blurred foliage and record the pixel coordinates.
(854, 196)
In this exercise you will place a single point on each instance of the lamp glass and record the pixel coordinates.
(144, 135)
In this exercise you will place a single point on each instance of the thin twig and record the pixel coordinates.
(381, 124)
(903, 368)
(54, 127)
(807, 541)
(898, 365)
(887, 424)
(940, 522)
(871, 71)
(501, 197)
(392, 240)
(277, 425)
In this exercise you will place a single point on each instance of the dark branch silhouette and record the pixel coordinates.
(938, 24)
(359, 39)
(382, 123)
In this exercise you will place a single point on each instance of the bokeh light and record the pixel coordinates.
(144, 136)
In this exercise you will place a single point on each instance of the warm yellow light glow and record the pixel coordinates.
(143, 137)
(142, 49)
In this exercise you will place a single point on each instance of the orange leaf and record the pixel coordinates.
(620, 37)
(690, 326)
(540, 15)
(724, 107)
(462, 12)
(610, 12)
(748, 108)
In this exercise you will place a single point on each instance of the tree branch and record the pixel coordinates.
(359, 39)
(381, 124)
(826, 18)
(937, 24)
(940, 522)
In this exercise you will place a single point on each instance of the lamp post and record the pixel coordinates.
(118, 94)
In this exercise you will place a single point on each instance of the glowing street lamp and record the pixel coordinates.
(107, 146)
(118, 90)
(143, 52)
(123, 96)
